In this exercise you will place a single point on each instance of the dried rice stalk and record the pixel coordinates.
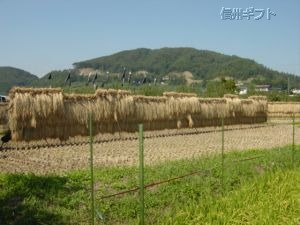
(179, 95)
(231, 96)
(3, 113)
(48, 113)
(283, 109)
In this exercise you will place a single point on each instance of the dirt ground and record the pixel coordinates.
(59, 159)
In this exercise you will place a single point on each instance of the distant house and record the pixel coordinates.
(166, 78)
(239, 84)
(296, 91)
(264, 87)
(243, 90)
(276, 89)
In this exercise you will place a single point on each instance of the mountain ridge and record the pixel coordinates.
(11, 76)
(204, 64)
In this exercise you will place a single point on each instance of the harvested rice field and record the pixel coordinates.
(123, 150)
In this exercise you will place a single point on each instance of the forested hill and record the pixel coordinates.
(203, 64)
(10, 77)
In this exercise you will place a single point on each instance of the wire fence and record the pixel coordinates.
(99, 139)
(142, 186)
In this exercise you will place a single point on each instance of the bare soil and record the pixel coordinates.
(59, 159)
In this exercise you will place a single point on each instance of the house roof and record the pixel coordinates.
(263, 86)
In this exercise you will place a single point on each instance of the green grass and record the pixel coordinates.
(271, 199)
(261, 191)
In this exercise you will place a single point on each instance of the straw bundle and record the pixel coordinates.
(178, 94)
(48, 113)
(259, 98)
(231, 96)
(34, 109)
(283, 109)
(33, 91)
(3, 113)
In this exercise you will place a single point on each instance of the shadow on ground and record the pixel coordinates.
(26, 199)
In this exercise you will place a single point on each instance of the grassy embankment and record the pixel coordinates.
(261, 191)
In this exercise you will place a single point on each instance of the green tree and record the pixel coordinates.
(229, 86)
(215, 89)
(251, 89)
(219, 88)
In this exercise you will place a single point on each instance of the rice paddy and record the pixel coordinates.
(59, 159)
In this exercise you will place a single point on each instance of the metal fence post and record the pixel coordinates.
(293, 146)
(141, 173)
(92, 168)
(222, 162)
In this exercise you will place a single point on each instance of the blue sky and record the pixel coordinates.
(43, 35)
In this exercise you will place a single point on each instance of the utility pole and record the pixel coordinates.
(288, 90)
